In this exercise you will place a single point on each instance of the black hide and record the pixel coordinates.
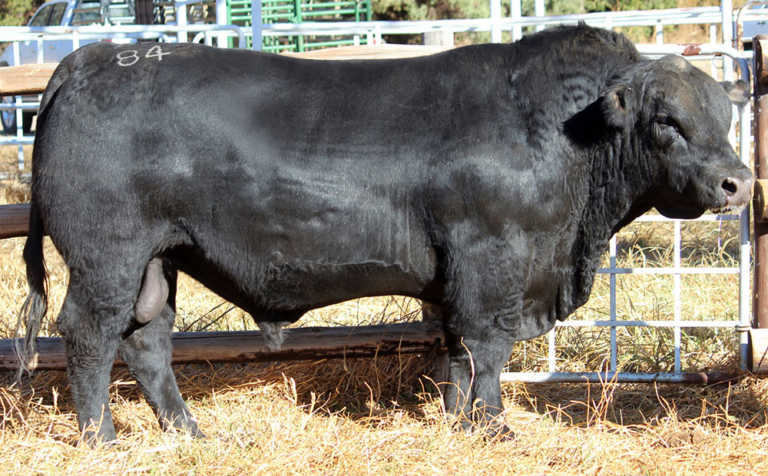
(486, 181)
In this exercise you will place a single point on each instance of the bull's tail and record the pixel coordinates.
(34, 308)
(36, 304)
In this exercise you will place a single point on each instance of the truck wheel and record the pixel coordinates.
(8, 117)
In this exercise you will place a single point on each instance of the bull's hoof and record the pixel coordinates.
(94, 439)
(194, 434)
(490, 430)
(197, 434)
(182, 426)
(497, 432)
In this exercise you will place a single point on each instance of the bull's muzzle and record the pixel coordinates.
(738, 190)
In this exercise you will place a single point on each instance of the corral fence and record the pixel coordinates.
(241, 13)
(427, 337)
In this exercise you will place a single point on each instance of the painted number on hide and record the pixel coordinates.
(156, 52)
(127, 58)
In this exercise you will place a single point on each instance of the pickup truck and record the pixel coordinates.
(87, 12)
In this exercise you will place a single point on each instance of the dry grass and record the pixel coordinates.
(364, 416)
(323, 418)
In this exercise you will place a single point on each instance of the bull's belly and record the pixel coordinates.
(310, 285)
(290, 287)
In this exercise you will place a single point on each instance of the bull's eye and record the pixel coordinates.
(666, 127)
(668, 122)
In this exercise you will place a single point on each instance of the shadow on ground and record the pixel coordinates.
(353, 386)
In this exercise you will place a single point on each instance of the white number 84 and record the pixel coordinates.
(127, 58)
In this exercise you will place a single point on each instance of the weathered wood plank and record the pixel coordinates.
(25, 79)
(306, 343)
(14, 220)
(370, 52)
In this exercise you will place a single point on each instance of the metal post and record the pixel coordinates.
(713, 39)
(19, 113)
(659, 33)
(726, 13)
(676, 284)
(221, 19)
(516, 13)
(297, 18)
(181, 20)
(256, 25)
(442, 38)
(760, 308)
(221, 12)
(495, 18)
(761, 170)
(539, 11)
(613, 351)
(745, 248)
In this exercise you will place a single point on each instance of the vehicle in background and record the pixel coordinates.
(88, 12)
(750, 28)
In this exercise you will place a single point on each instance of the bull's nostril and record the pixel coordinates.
(730, 186)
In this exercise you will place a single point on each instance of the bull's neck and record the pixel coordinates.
(618, 193)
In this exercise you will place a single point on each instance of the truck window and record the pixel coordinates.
(86, 13)
(41, 18)
(57, 14)
(89, 12)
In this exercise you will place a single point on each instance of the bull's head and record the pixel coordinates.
(681, 117)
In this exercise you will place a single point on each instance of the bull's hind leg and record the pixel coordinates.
(93, 316)
(147, 351)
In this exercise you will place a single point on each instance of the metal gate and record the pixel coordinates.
(239, 12)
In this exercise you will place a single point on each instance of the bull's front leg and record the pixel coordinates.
(473, 393)
(481, 317)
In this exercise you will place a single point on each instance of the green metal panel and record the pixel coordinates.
(298, 11)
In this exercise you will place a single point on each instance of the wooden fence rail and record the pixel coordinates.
(14, 220)
(304, 343)
(25, 79)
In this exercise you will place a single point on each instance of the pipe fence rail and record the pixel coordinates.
(655, 18)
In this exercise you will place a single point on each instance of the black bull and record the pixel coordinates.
(485, 181)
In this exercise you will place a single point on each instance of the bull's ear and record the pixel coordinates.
(738, 92)
(617, 106)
